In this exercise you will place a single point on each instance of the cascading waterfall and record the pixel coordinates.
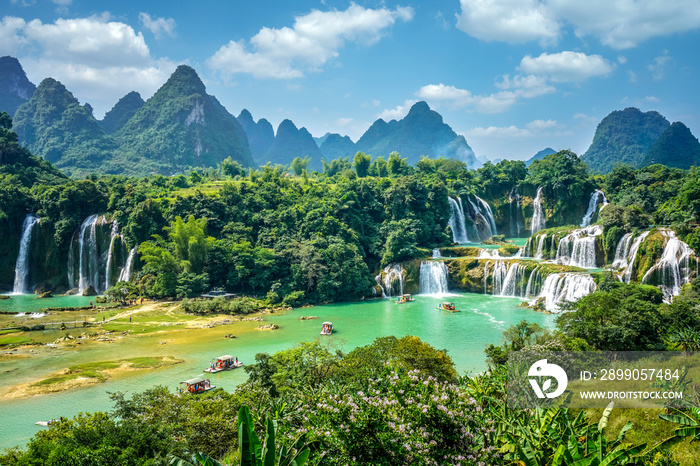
(457, 221)
(500, 271)
(578, 248)
(125, 274)
(631, 257)
(87, 265)
(436, 253)
(534, 283)
(22, 264)
(672, 270)
(515, 212)
(622, 251)
(393, 273)
(561, 287)
(110, 253)
(514, 281)
(597, 197)
(433, 277)
(539, 254)
(485, 210)
(538, 220)
(488, 253)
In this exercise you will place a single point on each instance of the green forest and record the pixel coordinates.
(289, 236)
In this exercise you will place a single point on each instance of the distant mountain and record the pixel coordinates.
(181, 126)
(53, 125)
(540, 155)
(291, 142)
(334, 146)
(676, 147)
(421, 132)
(322, 139)
(260, 135)
(624, 136)
(15, 88)
(117, 117)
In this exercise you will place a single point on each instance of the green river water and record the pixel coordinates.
(465, 334)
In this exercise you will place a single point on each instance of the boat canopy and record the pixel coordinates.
(193, 381)
(328, 323)
(225, 357)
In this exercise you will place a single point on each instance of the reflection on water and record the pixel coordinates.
(464, 334)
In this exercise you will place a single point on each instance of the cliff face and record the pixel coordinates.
(15, 88)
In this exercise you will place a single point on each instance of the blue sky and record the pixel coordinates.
(512, 76)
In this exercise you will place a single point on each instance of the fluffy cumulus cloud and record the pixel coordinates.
(104, 59)
(566, 66)
(313, 40)
(160, 27)
(398, 112)
(508, 20)
(512, 90)
(619, 24)
(533, 129)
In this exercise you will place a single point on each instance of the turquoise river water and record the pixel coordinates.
(465, 334)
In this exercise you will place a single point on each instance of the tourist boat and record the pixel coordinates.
(223, 363)
(448, 307)
(196, 385)
(404, 298)
(327, 328)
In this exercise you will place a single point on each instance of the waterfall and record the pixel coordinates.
(110, 254)
(622, 251)
(433, 277)
(480, 214)
(561, 287)
(486, 277)
(593, 205)
(515, 212)
(538, 220)
(500, 271)
(392, 274)
(87, 266)
(631, 257)
(485, 211)
(488, 254)
(539, 254)
(578, 248)
(457, 221)
(125, 274)
(534, 283)
(514, 280)
(667, 271)
(22, 264)
(436, 253)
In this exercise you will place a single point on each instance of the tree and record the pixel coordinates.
(361, 164)
(299, 165)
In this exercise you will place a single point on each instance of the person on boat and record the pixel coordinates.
(236, 360)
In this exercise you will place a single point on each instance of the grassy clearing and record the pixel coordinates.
(8, 331)
(96, 372)
(15, 341)
(139, 328)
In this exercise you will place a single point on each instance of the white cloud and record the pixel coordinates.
(159, 26)
(658, 66)
(397, 113)
(10, 38)
(619, 24)
(651, 99)
(533, 129)
(622, 59)
(313, 40)
(632, 76)
(566, 66)
(100, 58)
(508, 20)
(499, 131)
(586, 119)
(541, 124)
(513, 90)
